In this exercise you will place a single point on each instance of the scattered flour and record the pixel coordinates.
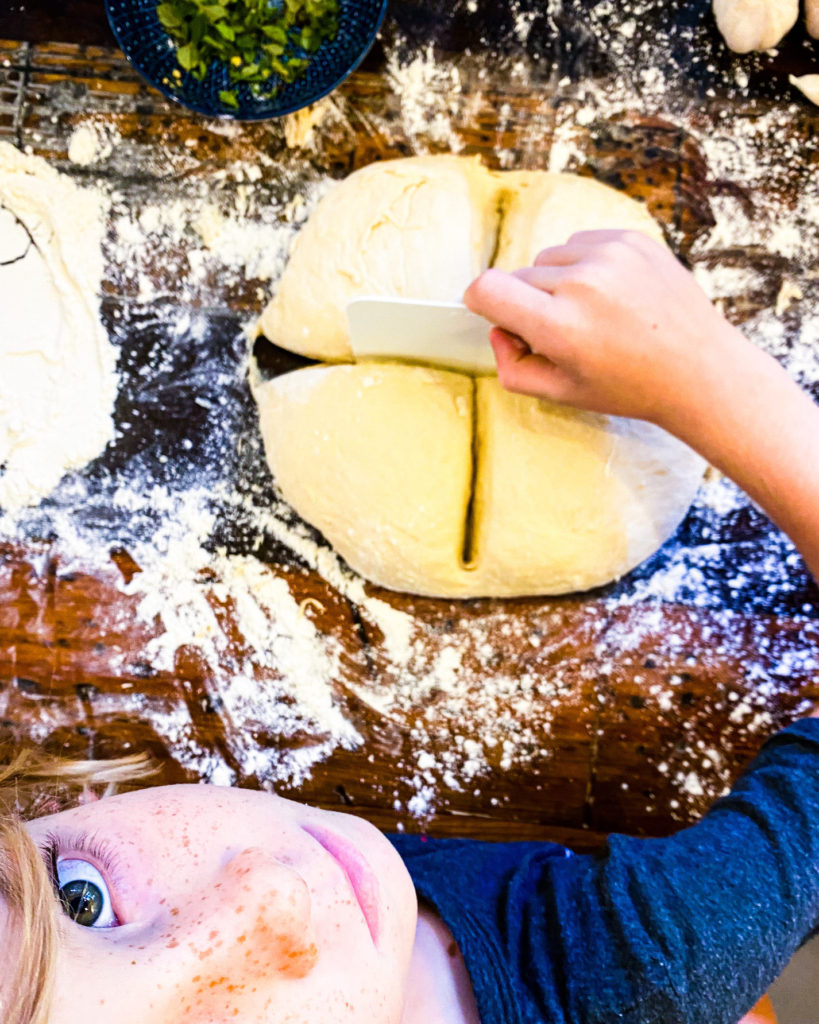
(430, 95)
(270, 664)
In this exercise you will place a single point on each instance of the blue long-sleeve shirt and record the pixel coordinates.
(691, 929)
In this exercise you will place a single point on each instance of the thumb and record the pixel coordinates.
(523, 371)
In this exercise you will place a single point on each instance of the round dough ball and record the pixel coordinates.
(430, 481)
(541, 209)
(383, 458)
(755, 24)
(423, 227)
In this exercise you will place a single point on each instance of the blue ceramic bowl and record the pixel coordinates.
(148, 47)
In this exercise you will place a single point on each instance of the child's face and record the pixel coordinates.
(213, 905)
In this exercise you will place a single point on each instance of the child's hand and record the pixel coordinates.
(609, 322)
(613, 323)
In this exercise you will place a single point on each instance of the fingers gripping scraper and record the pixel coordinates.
(444, 334)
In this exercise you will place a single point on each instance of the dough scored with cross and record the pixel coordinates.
(436, 482)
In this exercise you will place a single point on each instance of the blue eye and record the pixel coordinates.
(84, 895)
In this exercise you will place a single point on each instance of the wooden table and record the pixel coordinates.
(653, 692)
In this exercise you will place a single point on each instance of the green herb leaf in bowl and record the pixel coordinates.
(262, 43)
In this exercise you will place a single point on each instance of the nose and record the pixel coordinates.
(222, 946)
(257, 913)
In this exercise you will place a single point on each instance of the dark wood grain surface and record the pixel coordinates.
(42, 21)
(641, 730)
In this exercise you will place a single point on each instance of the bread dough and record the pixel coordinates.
(541, 209)
(378, 457)
(566, 500)
(421, 228)
(57, 368)
(425, 227)
(755, 24)
(381, 458)
(431, 481)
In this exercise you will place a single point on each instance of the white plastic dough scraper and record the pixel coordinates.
(442, 334)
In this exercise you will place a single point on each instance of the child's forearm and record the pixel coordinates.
(692, 929)
(756, 425)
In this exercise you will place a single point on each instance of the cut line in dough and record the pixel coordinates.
(468, 562)
(440, 484)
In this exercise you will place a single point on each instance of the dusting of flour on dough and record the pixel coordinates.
(57, 368)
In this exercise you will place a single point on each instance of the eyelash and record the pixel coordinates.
(84, 845)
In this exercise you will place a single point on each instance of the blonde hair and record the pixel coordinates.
(33, 784)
